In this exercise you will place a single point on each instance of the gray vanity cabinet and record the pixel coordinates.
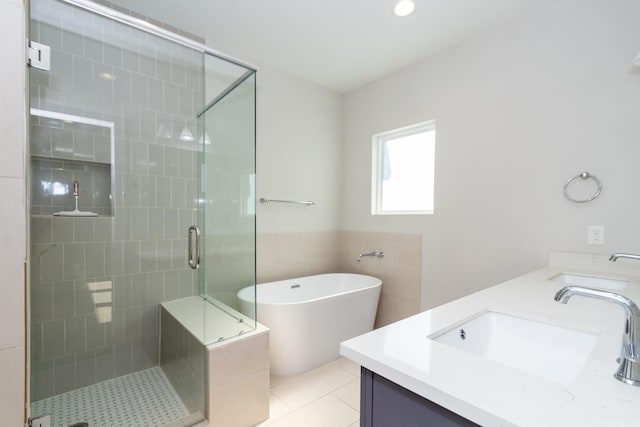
(384, 403)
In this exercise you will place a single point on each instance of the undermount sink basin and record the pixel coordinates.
(590, 281)
(549, 351)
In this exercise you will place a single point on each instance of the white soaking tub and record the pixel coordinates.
(310, 316)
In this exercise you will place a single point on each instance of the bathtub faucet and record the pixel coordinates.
(378, 254)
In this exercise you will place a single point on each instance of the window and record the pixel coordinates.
(403, 170)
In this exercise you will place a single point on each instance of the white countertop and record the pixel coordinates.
(492, 394)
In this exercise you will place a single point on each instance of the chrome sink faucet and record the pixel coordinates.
(629, 370)
(614, 257)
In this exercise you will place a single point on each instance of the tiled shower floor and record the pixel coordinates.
(144, 398)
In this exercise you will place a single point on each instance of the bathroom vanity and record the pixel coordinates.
(508, 355)
(384, 403)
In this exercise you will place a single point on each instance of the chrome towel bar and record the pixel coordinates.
(296, 202)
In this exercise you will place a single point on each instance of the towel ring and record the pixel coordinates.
(584, 175)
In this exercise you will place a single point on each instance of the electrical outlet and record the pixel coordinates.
(595, 235)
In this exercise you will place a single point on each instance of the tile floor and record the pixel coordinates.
(144, 398)
(328, 396)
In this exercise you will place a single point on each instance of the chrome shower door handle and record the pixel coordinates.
(194, 262)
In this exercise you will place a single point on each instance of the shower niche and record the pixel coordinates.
(72, 170)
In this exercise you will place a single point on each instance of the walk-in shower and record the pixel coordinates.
(153, 134)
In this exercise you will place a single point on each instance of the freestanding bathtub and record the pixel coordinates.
(310, 316)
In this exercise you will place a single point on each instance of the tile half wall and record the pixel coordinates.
(290, 255)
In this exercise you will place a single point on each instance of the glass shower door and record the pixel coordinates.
(109, 137)
(135, 135)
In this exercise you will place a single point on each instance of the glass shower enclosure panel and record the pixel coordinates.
(227, 213)
(135, 136)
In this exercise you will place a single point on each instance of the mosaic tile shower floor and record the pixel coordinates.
(144, 398)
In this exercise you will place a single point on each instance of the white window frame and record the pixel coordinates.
(377, 166)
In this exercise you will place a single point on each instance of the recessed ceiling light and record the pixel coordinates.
(404, 8)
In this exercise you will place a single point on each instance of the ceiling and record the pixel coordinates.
(339, 44)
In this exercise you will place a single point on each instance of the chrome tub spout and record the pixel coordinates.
(378, 254)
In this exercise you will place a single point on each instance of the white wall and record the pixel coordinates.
(12, 214)
(518, 111)
(298, 152)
